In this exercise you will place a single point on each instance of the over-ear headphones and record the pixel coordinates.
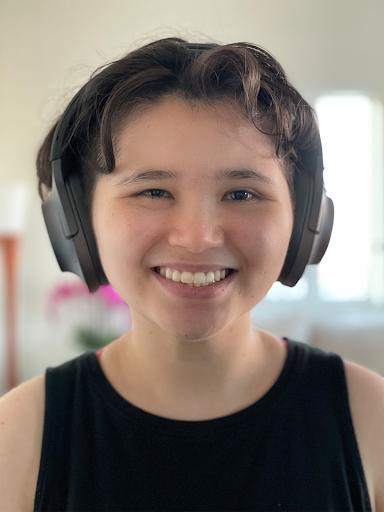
(73, 241)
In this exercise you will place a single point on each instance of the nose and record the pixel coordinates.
(196, 228)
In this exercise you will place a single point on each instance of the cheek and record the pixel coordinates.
(123, 238)
(265, 238)
(264, 244)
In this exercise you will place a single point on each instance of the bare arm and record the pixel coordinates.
(366, 397)
(21, 433)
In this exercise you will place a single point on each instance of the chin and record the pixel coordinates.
(192, 326)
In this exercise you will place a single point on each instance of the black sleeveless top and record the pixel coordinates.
(293, 450)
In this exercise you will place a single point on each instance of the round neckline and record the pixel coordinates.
(266, 405)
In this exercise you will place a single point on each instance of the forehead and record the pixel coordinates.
(177, 133)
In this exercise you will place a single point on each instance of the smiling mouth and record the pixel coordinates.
(196, 279)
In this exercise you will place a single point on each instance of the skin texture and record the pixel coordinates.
(188, 359)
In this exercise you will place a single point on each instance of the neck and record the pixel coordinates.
(195, 380)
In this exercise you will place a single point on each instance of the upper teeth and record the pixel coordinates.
(197, 279)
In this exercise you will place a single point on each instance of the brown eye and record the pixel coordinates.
(153, 193)
(240, 195)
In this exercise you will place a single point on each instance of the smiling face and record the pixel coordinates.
(195, 188)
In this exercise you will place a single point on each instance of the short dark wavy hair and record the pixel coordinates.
(243, 75)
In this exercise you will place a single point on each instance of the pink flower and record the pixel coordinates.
(66, 292)
(110, 296)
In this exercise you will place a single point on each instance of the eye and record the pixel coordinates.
(235, 195)
(154, 193)
(240, 195)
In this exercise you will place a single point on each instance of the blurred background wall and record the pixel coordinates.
(48, 49)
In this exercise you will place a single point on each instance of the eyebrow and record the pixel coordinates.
(226, 174)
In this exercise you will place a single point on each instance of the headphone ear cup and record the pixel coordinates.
(70, 230)
(313, 222)
(62, 245)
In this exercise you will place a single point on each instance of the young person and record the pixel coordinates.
(179, 174)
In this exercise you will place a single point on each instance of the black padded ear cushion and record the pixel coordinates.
(301, 238)
(87, 251)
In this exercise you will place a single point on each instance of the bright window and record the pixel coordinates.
(353, 267)
(346, 132)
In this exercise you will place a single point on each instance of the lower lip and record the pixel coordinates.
(192, 292)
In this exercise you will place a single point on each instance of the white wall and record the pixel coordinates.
(48, 48)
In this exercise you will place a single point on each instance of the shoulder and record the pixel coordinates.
(366, 401)
(21, 434)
